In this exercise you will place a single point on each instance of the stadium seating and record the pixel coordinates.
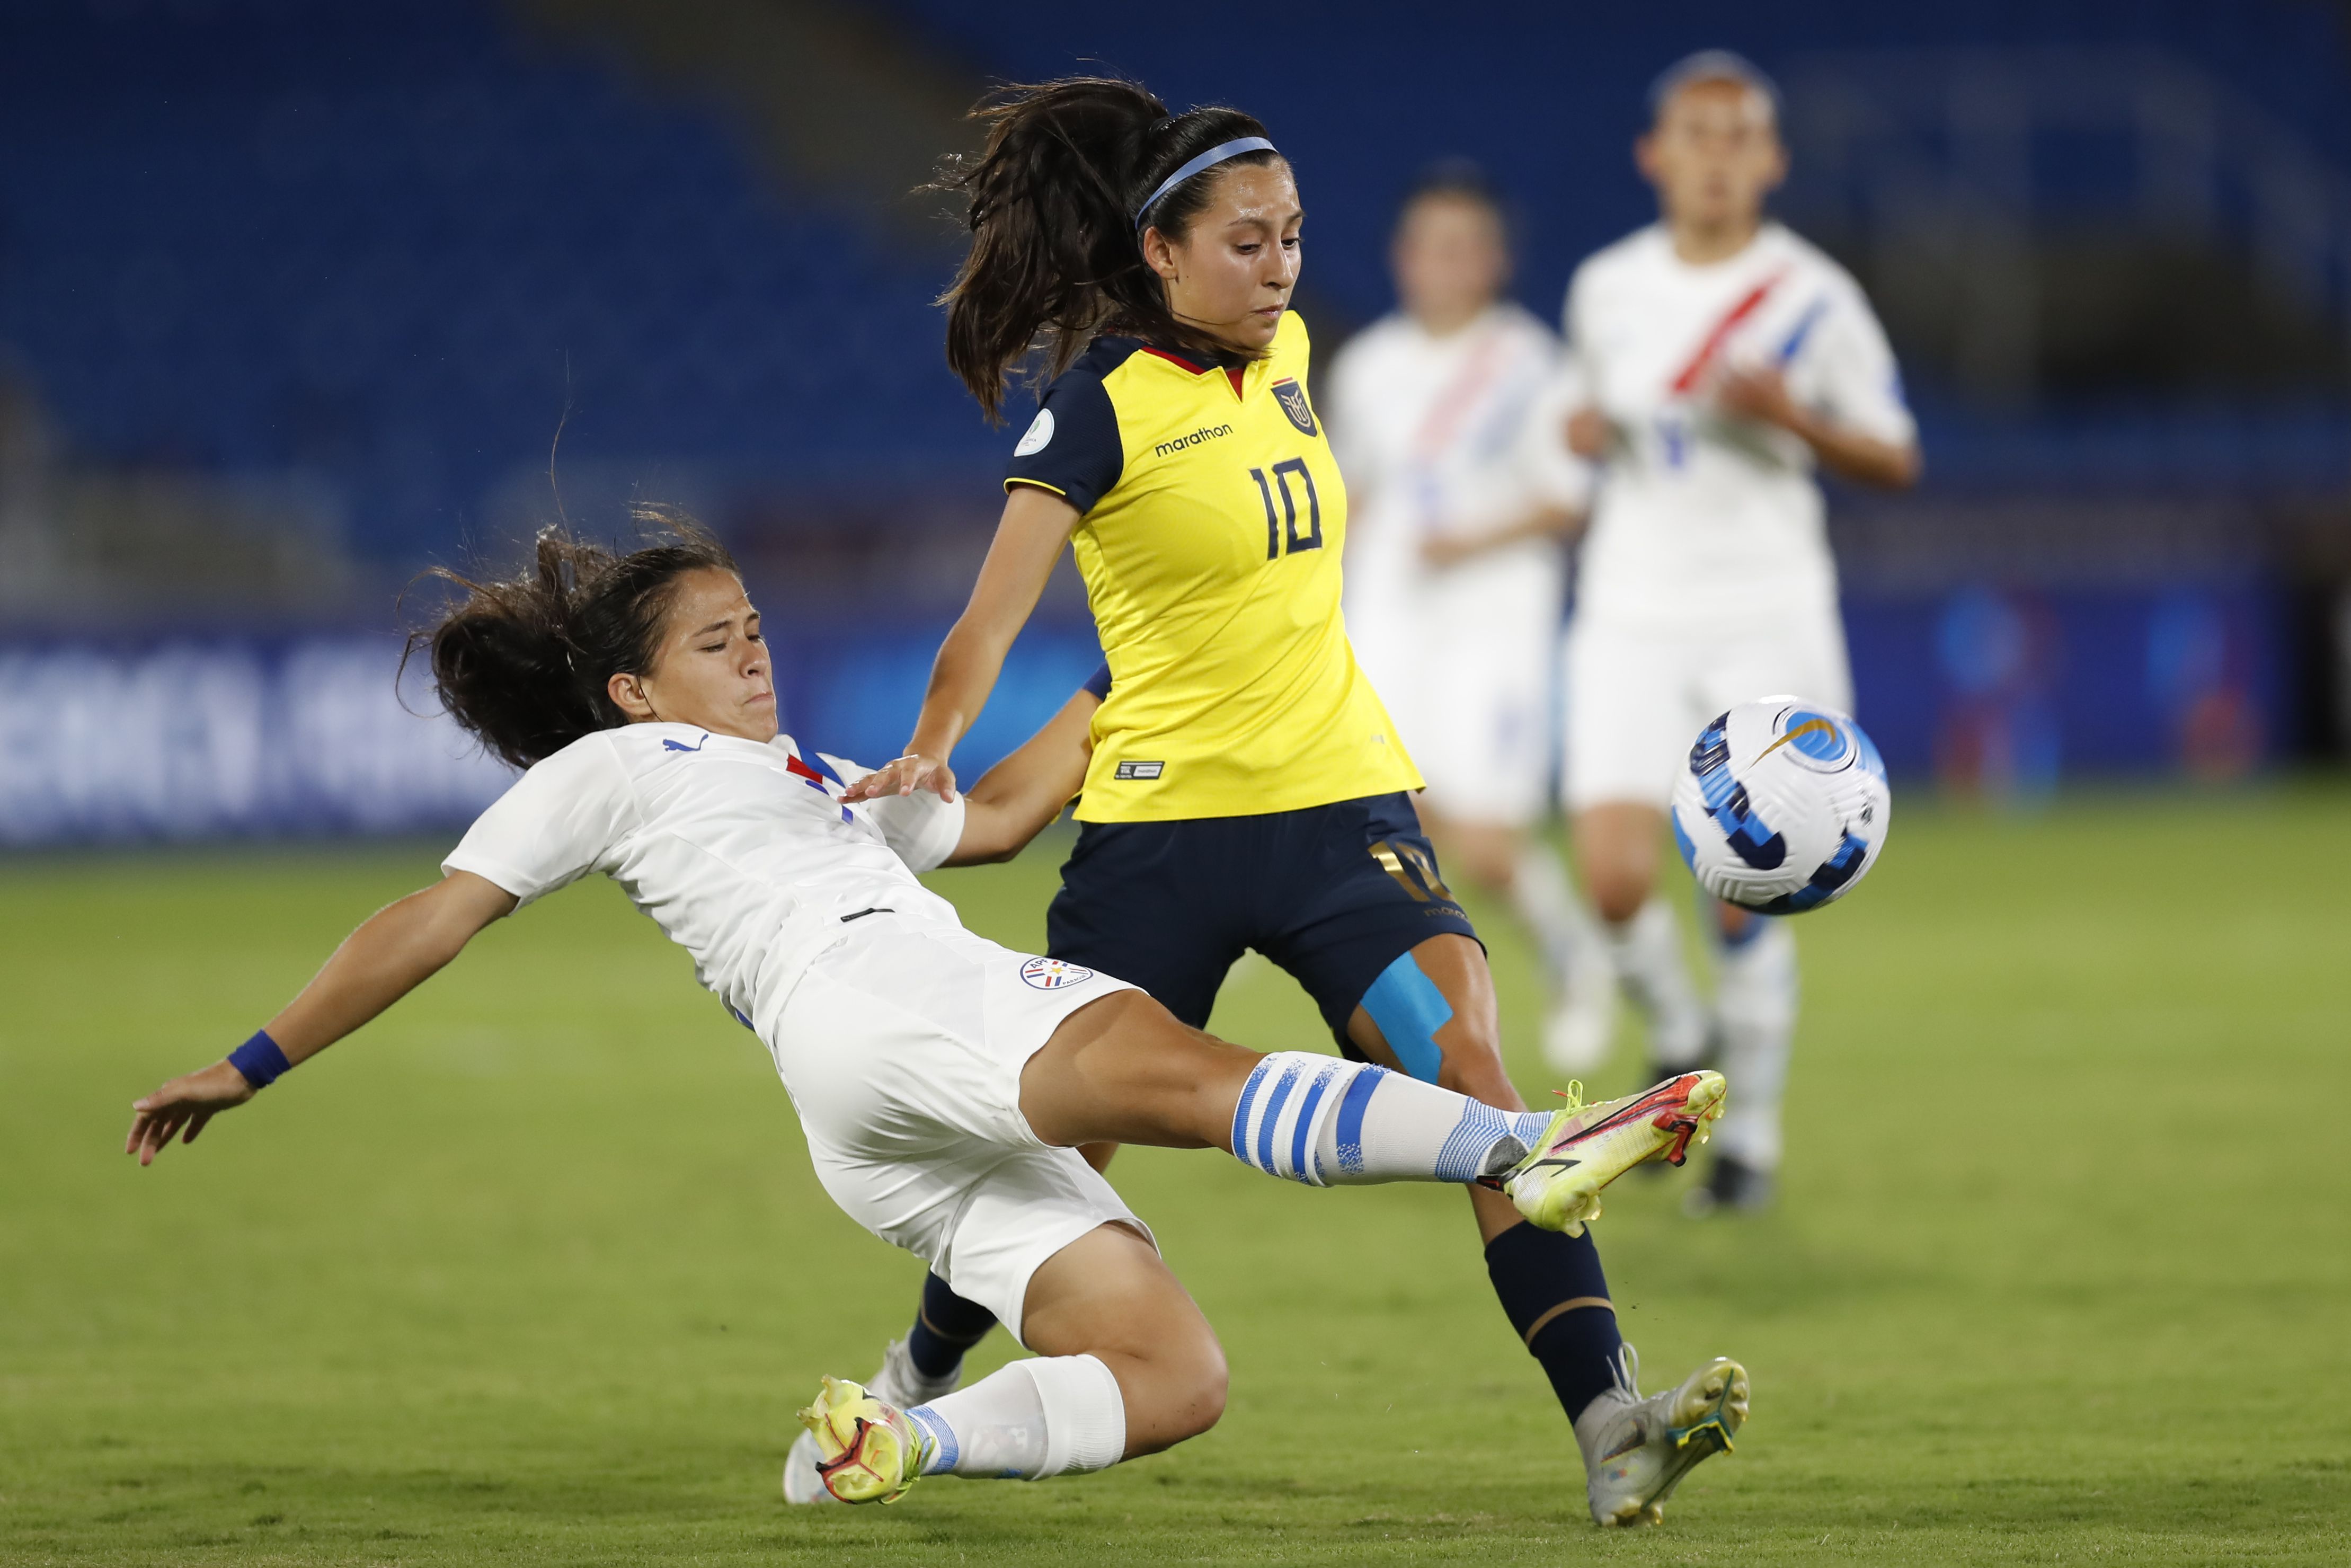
(400, 244)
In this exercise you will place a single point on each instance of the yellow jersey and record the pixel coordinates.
(1214, 518)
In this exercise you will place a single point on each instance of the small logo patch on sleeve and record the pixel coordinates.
(1039, 435)
(1139, 770)
(1052, 974)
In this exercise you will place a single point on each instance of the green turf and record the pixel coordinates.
(534, 1269)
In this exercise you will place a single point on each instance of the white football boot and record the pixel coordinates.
(1636, 1450)
(897, 1384)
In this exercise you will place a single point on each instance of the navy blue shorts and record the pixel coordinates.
(1333, 893)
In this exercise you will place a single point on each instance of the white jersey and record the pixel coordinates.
(743, 853)
(900, 1036)
(1701, 518)
(1461, 435)
(1445, 436)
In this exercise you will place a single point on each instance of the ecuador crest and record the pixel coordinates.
(1292, 398)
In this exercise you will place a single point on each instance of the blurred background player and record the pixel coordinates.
(1461, 492)
(1714, 360)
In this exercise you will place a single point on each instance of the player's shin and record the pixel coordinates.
(1647, 952)
(1542, 896)
(945, 1327)
(1051, 1416)
(1756, 994)
(1583, 1013)
(1552, 1288)
(1325, 1121)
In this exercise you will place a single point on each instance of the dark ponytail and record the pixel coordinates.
(524, 661)
(1055, 254)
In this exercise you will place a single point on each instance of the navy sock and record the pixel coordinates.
(944, 1328)
(1556, 1297)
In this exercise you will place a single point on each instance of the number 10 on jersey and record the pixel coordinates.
(1275, 529)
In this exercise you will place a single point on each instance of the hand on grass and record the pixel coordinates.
(182, 1107)
(903, 777)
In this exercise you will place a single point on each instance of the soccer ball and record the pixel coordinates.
(1783, 806)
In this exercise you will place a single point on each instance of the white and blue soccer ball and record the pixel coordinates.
(1783, 807)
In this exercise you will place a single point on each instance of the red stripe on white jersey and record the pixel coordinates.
(1700, 362)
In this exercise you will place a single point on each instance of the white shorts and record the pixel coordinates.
(1473, 706)
(902, 1046)
(1637, 698)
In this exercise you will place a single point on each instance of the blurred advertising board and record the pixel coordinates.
(226, 738)
(2004, 690)
(199, 737)
(2000, 692)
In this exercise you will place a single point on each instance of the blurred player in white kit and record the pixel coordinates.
(1445, 418)
(1714, 359)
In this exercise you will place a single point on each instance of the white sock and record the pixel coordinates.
(1325, 1121)
(1647, 953)
(1051, 1416)
(1563, 929)
(1755, 1001)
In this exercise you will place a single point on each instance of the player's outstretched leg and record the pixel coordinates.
(1617, 847)
(1124, 1070)
(1755, 1021)
(1636, 1450)
(1128, 1367)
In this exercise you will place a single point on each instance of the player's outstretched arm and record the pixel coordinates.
(1036, 524)
(389, 955)
(1017, 799)
(1542, 522)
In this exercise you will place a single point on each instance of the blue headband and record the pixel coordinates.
(1209, 160)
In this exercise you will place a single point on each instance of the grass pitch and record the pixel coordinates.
(535, 1269)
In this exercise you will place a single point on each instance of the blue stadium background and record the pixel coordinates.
(295, 297)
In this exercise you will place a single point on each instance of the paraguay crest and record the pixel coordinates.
(1292, 398)
(1052, 974)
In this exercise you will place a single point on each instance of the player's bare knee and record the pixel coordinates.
(1173, 1369)
(1617, 892)
(1198, 1380)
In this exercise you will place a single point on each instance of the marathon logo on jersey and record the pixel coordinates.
(1052, 974)
(1207, 433)
(1292, 398)
(1131, 771)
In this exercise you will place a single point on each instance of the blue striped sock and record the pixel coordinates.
(1321, 1121)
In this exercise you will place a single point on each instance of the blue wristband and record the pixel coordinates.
(260, 1060)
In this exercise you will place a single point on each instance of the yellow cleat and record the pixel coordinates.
(871, 1452)
(1585, 1147)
